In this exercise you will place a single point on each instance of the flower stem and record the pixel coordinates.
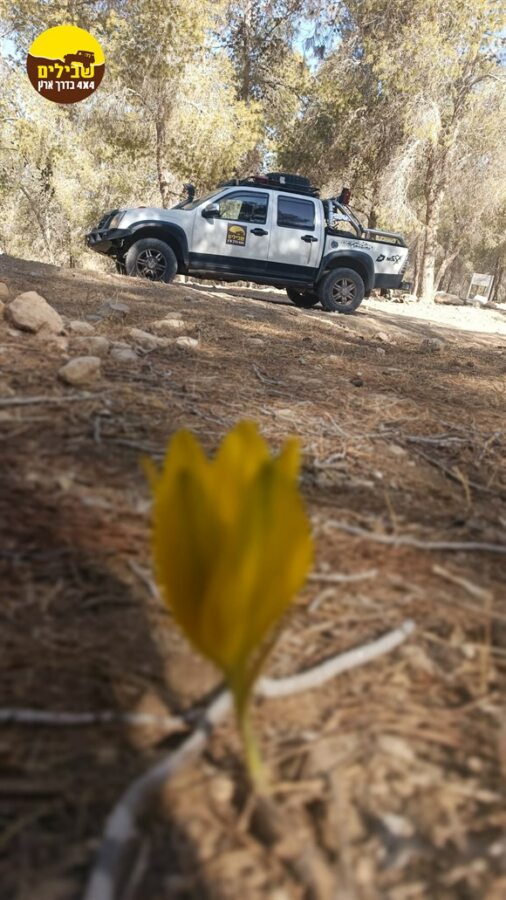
(254, 762)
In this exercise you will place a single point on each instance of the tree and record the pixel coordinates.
(451, 50)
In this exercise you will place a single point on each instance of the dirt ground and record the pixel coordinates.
(389, 781)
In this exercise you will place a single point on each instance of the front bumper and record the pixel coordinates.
(107, 241)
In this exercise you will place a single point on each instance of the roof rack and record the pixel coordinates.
(278, 181)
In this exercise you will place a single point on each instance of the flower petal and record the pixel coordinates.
(241, 453)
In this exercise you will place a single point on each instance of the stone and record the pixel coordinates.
(188, 342)
(124, 355)
(94, 345)
(4, 291)
(2, 308)
(383, 336)
(432, 345)
(146, 340)
(222, 789)
(79, 327)
(357, 381)
(448, 299)
(259, 342)
(169, 325)
(114, 306)
(80, 370)
(381, 351)
(30, 312)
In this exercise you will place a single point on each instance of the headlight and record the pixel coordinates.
(116, 220)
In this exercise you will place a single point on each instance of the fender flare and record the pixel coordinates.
(167, 229)
(364, 259)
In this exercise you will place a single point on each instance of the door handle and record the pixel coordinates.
(259, 231)
(308, 238)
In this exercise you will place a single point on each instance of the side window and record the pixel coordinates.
(244, 207)
(294, 213)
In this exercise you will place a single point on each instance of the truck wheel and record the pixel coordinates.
(341, 290)
(301, 299)
(152, 259)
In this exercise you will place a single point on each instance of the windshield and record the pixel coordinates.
(186, 204)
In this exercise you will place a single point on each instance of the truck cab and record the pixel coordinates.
(271, 229)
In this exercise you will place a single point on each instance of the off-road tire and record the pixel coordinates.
(151, 259)
(341, 290)
(301, 299)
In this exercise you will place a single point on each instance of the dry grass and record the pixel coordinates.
(388, 781)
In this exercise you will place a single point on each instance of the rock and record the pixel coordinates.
(448, 299)
(222, 789)
(381, 351)
(124, 355)
(168, 325)
(188, 342)
(2, 308)
(432, 345)
(94, 345)
(80, 370)
(114, 306)
(77, 326)
(259, 342)
(4, 291)
(31, 312)
(383, 336)
(146, 340)
(357, 381)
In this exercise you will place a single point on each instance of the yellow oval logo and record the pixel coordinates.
(65, 64)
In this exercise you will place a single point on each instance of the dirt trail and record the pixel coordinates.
(390, 778)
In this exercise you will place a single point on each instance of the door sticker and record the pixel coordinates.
(236, 234)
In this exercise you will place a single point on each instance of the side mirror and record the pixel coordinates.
(211, 212)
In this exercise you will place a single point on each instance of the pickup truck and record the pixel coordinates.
(269, 229)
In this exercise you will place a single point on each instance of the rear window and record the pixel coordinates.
(294, 213)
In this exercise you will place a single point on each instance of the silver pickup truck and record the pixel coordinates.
(270, 229)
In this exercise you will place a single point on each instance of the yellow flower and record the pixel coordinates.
(232, 545)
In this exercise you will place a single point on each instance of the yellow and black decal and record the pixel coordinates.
(236, 234)
(65, 64)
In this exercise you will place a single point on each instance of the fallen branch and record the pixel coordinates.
(23, 716)
(30, 401)
(452, 476)
(338, 578)
(312, 678)
(401, 540)
(123, 831)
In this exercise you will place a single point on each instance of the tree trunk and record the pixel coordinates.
(245, 89)
(417, 262)
(441, 272)
(428, 265)
(498, 274)
(160, 153)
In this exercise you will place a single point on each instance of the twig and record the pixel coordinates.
(23, 716)
(30, 401)
(339, 578)
(397, 540)
(122, 830)
(453, 476)
(474, 590)
(312, 678)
